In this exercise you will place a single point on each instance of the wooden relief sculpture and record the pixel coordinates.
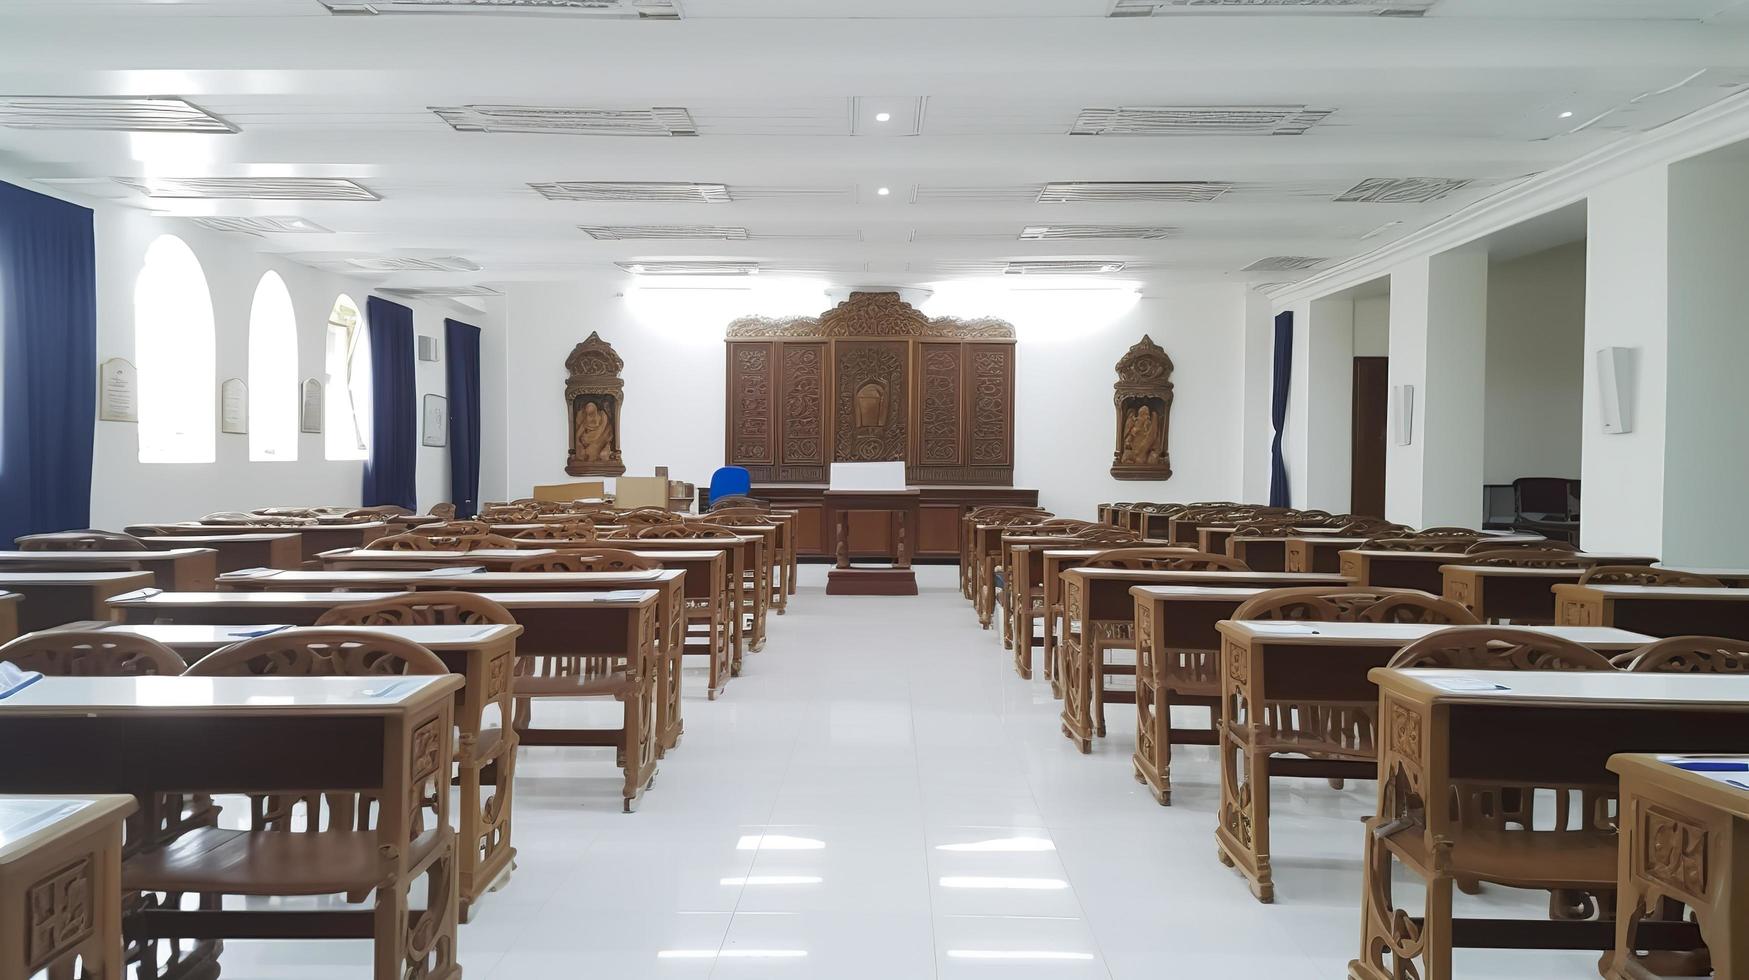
(593, 393)
(1144, 407)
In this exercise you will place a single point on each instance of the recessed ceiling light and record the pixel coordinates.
(883, 191)
(1567, 115)
(883, 117)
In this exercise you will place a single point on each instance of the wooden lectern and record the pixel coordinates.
(872, 487)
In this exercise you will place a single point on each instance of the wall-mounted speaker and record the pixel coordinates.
(427, 348)
(1403, 409)
(1615, 386)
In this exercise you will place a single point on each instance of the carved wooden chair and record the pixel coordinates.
(420, 609)
(91, 653)
(403, 542)
(658, 531)
(1418, 543)
(606, 560)
(565, 561)
(1544, 544)
(1165, 559)
(569, 529)
(1489, 648)
(739, 501)
(1105, 534)
(234, 518)
(451, 529)
(1367, 527)
(1679, 655)
(443, 512)
(1448, 532)
(1527, 558)
(649, 517)
(80, 541)
(1646, 575)
(971, 565)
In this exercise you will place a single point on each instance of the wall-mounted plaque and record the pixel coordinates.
(310, 406)
(234, 407)
(435, 430)
(118, 391)
(593, 393)
(1143, 399)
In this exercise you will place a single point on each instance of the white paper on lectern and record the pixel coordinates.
(868, 476)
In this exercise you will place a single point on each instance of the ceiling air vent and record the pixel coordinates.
(437, 263)
(568, 121)
(670, 268)
(1081, 233)
(155, 115)
(674, 233)
(1401, 190)
(1284, 263)
(1061, 267)
(1208, 120)
(252, 188)
(442, 292)
(645, 9)
(288, 225)
(1153, 8)
(1098, 191)
(659, 191)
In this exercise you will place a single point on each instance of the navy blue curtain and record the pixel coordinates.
(461, 345)
(394, 422)
(1284, 365)
(48, 344)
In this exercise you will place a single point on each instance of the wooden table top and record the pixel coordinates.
(195, 527)
(1602, 638)
(1724, 573)
(28, 822)
(68, 578)
(184, 695)
(1659, 592)
(1514, 571)
(1167, 576)
(81, 557)
(192, 637)
(1709, 780)
(376, 554)
(473, 580)
(1571, 688)
(1193, 592)
(147, 598)
(179, 541)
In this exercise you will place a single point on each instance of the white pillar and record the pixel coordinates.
(1439, 330)
(1319, 443)
(1257, 433)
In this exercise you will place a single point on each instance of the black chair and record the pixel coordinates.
(1547, 505)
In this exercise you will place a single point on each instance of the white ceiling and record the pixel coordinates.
(783, 94)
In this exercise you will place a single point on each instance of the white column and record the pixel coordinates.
(1320, 405)
(1257, 433)
(1439, 329)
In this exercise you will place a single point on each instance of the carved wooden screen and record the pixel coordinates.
(870, 380)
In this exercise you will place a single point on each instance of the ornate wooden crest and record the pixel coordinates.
(870, 315)
(593, 393)
(1142, 398)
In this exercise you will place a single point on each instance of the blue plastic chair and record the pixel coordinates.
(730, 481)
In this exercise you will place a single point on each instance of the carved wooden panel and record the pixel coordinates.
(750, 388)
(803, 387)
(939, 424)
(871, 396)
(992, 405)
(61, 913)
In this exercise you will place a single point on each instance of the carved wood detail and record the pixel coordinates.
(939, 419)
(1674, 852)
(1143, 401)
(750, 387)
(870, 380)
(594, 392)
(804, 403)
(61, 914)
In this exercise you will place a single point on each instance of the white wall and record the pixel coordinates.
(1372, 326)
(1259, 380)
(1536, 365)
(672, 344)
(1318, 446)
(124, 490)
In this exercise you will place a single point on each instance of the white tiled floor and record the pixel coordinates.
(812, 824)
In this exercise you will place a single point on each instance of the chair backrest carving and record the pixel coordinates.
(738, 501)
(1681, 655)
(1105, 534)
(319, 652)
(421, 609)
(1341, 604)
(1491, 648)
(443, 511)
(91, 540)
(1534, 544)
(1527, 558)
(1646, 575)
(649, 517)
(91, 653)
(451, 529)
(556, 531)
(403, 542)
(1165, 559)
(1420, 544)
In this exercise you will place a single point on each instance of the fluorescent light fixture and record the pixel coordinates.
(778, 842)
(774, 880)
(1567, 115)
(743, 954)
(1016, 954)
(1011, 884)
(1003, 845)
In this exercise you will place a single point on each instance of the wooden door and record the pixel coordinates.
(1372, 395)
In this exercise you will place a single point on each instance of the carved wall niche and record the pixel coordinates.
(872, 379)
(1143, 402)
(593, 394)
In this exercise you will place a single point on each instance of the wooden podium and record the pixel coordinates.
(903, 506)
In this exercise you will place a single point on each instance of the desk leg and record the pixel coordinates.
(638, 748)
(484, 852)
(986, 587)
(1242, 831)
(841, 537)
(1052, 667)
(672, 609)
(1152, 759)
(902, 552)
(1077, 696)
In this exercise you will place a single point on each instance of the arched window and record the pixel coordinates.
(346, 425)
(173, 342)
(273, 372)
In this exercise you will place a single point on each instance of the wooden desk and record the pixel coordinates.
(1658, 610)
(1421, 569)
(9, 615)
(60, 885)
(175, 568)
(1306, 553)
(576, 623)
(746, 554)
(1100, 614)
(1177, 664)
(387, 737)
(1022, 580)
(313, 538)
(904, 510)
(1494, 593)
(1685, 837)
(1292, 688)
(985, 553)
(1528, 730)
(1053, 562)
(491, 559)
(52, 598)
(484, 658)
(1736, 578)
(278, 550)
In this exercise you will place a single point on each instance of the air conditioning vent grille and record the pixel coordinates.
(1097, 191)
(1061, 268)
(644, 9)
(1256, 120)
(1081, 233)
(261, 225)
(252, 188)
(1285, 263)
(622, 233)
(1151, 8)
(674, 191)
(152, 115)
(1401, 190)
(672, 268)
(568, 121)
(442, 292)
(436, 263)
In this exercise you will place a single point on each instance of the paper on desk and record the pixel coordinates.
(13, 680)
(1465, 684)
(622, 595)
